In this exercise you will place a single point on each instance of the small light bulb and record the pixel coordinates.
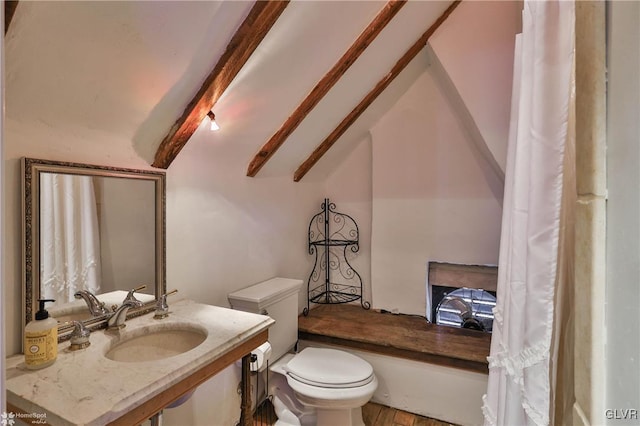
(212, 117)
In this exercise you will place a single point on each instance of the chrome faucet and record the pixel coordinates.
(95, 306)
(116, 321)
(162, 308)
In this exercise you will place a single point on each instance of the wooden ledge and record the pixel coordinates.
(404, 336)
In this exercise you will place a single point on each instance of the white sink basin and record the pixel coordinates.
(155, 343)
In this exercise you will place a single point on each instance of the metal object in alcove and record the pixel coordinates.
(333, 238)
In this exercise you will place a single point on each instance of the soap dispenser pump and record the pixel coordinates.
(41, 339)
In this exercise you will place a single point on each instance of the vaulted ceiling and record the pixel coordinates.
(287, 81)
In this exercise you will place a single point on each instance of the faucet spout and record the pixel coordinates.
(116, 321)
(95, 306)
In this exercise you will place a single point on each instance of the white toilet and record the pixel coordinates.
(317, 386)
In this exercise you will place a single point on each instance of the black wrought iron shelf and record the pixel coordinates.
(333, 238)
(334, 243)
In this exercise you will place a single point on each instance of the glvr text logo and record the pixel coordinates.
(622, 414)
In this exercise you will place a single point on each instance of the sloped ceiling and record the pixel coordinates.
(127, 70)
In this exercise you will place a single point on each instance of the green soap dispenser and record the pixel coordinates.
(41, 339)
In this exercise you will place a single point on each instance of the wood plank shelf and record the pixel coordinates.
(404, 336)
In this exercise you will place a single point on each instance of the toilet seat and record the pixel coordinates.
(329, 385)
(329, 368)
(333, 398)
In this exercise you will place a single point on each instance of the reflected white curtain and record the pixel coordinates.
(69, 237)
(521, 363)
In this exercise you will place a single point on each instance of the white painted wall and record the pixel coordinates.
(226, 231)
(349, 186)
(434, 198)
(476, 50)
(623, 213)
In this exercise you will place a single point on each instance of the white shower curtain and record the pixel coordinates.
(69, 238)
(520, 363)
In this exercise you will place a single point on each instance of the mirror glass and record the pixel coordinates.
(93, 228)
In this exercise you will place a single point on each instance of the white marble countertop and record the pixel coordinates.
(85, 388)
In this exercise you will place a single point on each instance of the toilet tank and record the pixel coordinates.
(278, 298)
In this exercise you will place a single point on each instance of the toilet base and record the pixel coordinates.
(351, 417)
(289, 410)
(318, 417)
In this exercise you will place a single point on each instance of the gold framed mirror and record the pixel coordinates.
(94, 228)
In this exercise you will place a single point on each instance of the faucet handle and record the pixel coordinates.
(130, 295)
(79, 336)
(162, 308)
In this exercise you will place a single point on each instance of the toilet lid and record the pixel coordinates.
(329, 368)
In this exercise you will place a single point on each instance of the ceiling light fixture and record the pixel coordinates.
(214, 125)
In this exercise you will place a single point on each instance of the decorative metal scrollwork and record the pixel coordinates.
(333, 238)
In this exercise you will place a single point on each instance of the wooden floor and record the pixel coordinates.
(373, 415)
(379, 415)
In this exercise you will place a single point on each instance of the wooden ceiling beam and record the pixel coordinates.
(371, 96)
(324, 85)
(243, 43)
(9, 10)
